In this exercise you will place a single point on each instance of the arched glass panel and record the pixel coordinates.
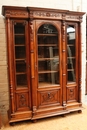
(48, 55)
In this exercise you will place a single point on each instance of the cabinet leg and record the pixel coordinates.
(79, 111)
(12, 124)
(63, 115)
(34, 121)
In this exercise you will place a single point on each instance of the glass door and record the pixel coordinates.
(20, 55)
(72, 62)
(71, 54)
(48, 56)
(21, 63)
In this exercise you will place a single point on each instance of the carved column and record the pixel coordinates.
(9, 44)
(32, 51)
(64, 64)
(80, 61)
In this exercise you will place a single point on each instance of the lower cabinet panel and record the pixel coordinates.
(22, 100)
(72, 94)
(49, 98)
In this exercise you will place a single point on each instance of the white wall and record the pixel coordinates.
(73, 5)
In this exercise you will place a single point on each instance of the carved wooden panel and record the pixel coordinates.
(48, 98)
(48, 15)
(72, 17)
(20, 14)
(22, 100)
(71, 94)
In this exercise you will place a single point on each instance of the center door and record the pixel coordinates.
(49, 68)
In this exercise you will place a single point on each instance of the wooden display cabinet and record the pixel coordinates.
(44, 62)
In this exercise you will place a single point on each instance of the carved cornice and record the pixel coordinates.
(12, 13)
(42, 13)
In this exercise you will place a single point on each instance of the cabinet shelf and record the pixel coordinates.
(47, 45)
(43, 84)
(43, 59)
(71, 57)
(70, 69)
(46, 71)
(20, 73)
(19, 45)
(20, 59)
(21, 87)
(55, 34)
(71, 44)
(19, 34)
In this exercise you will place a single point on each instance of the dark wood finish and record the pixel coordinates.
(44, 62)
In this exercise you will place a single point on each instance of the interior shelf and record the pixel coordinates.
(47, 45)
(46, 71)
(20, 73)
(43, 59)
(55, 34)
(19, 34)
(20, 59)
(19, 45)
(43, 84)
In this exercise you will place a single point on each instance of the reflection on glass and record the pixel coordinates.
(71, 54)
(48, 56)
(20, 54)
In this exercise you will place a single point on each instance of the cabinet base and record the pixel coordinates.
(40, 113)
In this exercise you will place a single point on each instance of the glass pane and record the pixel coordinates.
(20, 66)
(19, 39)
(48, 56)
(47, 29)
(19, 28)
(20, 52)
(20, 55)
(71, 54)
(21, 80)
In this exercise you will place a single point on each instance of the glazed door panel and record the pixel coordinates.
(72, 46)
(48, 59)
(21, 63)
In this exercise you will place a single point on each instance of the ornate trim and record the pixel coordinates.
(72, 17)
(31, 31)
(47, 15)
(63, 30)
(16, 13)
